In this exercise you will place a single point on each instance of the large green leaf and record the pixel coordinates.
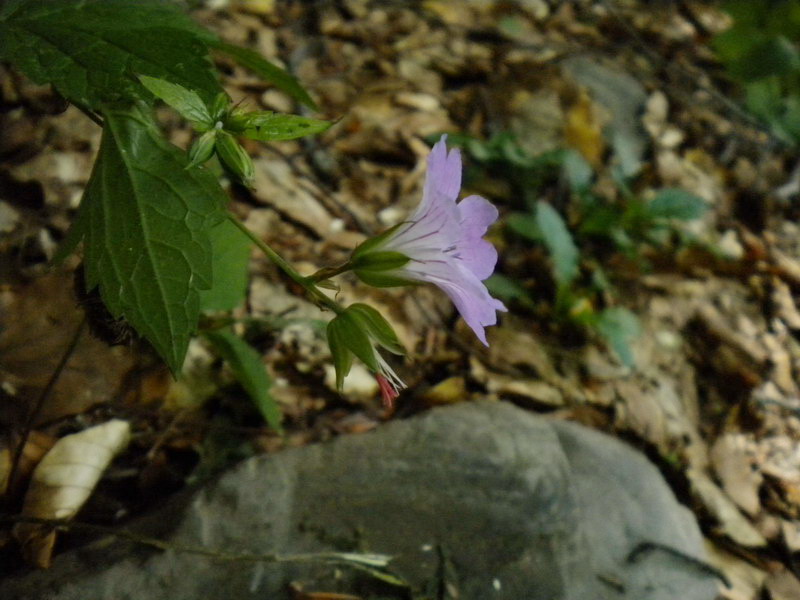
(145, 222)
(263, 68)
(249, 370)
(231, 256)
(90, 50)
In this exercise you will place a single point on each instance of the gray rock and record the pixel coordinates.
(475, 501)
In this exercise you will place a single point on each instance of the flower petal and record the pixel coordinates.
(443, 179)
(465, 290)
(478, 255)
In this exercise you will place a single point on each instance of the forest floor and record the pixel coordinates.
(713, 396)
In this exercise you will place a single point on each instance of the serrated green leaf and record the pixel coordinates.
(273, 127)
(188, 103)
(675, 203)
(619, 326)
(250, 371)
(91, 49)
(145, 221)
(230, 259)
(377, 327)
(235, 157)
(263, 68)
(558, 240)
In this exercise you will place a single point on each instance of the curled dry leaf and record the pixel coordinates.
(63, 481)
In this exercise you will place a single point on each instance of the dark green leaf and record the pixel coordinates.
(558, 240)
(619, 327)
(774, 56)
(675, 203)
(250, 371)
(265, 69)
(145, 221)
(525, 225)
(382, 280)
(230, 259)
(188, 104)
(374, 242)
(90, 50)
(272, 127)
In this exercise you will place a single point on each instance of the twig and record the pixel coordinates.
(37, 408)
(373, 564)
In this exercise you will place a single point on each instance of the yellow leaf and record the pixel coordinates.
(583, 130)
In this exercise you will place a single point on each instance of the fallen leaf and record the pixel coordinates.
(63, 481)
(734, 467)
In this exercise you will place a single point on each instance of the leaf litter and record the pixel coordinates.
(713, 398)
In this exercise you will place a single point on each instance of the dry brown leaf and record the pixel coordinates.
(734, 467)
(783, 585)
(746, 580)
(63, 481)
(732, 523)
(36, 446)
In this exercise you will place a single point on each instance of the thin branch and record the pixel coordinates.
(37, 408)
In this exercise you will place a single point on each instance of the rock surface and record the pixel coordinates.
(477, 501)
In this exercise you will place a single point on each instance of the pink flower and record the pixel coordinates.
(443, 241)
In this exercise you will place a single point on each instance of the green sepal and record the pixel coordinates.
(377, 327)
(355, 338)
(374, 242)
(234, 157)
(202, 149)
(342, 357)
(380, 260)
(187, 102)
(220, 106)
(382, 280)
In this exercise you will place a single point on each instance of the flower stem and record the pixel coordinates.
(307, 283)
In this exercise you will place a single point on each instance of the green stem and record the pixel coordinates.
(307, 283)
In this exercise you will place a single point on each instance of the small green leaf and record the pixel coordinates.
(674, 203)
(90, 49)
(377, 327)
(250, 371)
(524, 224)
(619, 326)
(188, 104)
(145, 223)
(272, 127)
(230, 259)
(558, 240)
(235, 157)
(505, 288)
(202, 149)
(263, 68)
(577, 171)
(220, 106)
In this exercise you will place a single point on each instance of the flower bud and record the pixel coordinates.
(234, 157)
(202, 149)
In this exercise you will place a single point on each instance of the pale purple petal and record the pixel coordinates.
(478, 255)
(443, 178)
(470, 296)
